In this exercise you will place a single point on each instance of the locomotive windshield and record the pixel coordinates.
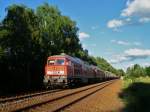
(60, 62)
(56, 62)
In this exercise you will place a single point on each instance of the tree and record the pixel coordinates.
(135, 71)
(129, 72)
(18, 35)
(138, 71)
(58, 32)
(104, 65)
(147, 71)
(121, 72)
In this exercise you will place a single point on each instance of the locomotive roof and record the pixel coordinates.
(75, 59)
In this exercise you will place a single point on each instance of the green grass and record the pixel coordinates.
(127, 82)
(136, 94)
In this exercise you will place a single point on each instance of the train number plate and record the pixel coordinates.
(55, 72)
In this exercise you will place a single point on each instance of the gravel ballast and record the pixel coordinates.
(106, 100)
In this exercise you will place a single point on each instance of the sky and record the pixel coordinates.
(117, 30)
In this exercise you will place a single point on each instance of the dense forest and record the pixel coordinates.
(28, 37)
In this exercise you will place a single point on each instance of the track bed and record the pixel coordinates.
(54, 101)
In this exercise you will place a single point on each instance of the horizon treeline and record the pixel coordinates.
(137, 71)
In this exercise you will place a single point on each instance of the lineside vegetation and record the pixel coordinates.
(136, 94)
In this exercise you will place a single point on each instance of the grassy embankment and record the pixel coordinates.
(136, 94)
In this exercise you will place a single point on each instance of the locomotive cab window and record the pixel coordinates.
(51, 62)
(60, 61)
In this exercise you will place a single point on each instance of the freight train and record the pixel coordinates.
(64, 70)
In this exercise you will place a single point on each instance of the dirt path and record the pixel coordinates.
(106, 100)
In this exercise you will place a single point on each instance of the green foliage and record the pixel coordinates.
(135, 71)
(121, 72)
(18, 43)
(58, 33)
(104, 65)
(147, 71)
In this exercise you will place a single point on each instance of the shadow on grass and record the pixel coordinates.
(136, 97)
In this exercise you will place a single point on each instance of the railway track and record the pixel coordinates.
(53, 101)
(12, 101)
(18, 97)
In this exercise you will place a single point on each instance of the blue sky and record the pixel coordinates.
(117, 30)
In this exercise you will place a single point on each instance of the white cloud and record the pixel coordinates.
(144, 20)
(137, 7)
(130, 54)
(137, 52)
(83, 35)
(120, 42)
(130, 65)
(123, 43)
(126, 43)
(115, 23)
(113, 61)
(118, 59)
(94, 27)
(137, 43)
(128, 19)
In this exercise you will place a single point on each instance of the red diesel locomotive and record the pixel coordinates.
(64, 70)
